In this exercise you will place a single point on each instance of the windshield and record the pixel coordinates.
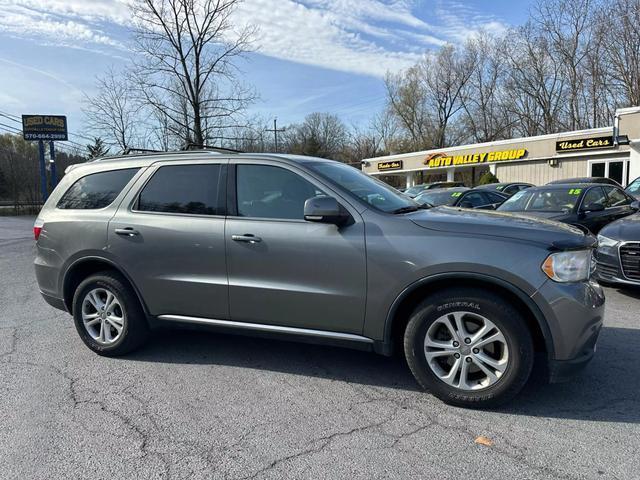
(634, 187)
(560, 200)
(371, 190)
(438, 197)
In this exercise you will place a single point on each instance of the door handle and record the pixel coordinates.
(247, 238)
(127, 232)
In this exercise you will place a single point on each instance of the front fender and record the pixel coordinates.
(524, 293)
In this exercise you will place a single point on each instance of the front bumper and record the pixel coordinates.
(609, 268)
(563, 370)
(574, 314)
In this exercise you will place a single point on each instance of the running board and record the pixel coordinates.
(261, 327)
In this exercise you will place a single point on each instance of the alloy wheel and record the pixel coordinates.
(103, 316)
(466, 350)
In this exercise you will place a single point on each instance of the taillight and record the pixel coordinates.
(37, 228)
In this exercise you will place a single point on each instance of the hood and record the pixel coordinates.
(547, 215)
(626, 229)
(502, 224)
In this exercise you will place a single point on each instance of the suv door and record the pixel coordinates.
(168, 235)
(284, 270)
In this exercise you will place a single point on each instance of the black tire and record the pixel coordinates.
(502, 314)
(135, 330)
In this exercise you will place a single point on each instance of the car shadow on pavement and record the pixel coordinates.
(629, 291)
(608, 390)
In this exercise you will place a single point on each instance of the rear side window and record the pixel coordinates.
(187, 189)
(97, 190)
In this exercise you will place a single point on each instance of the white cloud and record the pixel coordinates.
(366, 37)
(22, 21)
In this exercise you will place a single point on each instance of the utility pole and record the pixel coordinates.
(275, 131)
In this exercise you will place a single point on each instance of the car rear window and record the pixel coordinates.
(185, 189)
(97, 190)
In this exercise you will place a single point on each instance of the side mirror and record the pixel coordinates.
(325, 210)
(635, 204)
(466, 204)
(593, 207)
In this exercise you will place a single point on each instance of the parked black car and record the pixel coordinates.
(461, 197)
(588, 205)
(508, 188)
(601, 180)
(418, 189)
(634, 188)
(618, 252)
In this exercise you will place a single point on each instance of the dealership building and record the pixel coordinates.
(612, 152)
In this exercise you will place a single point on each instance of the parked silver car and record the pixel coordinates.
(315, 250)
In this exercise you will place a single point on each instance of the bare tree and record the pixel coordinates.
(623, 52)
(445, 76)
(486, 116)
(186, 63)
(320, 135)
(113, 111)
(406, 101)
(536, 83)
(568, 27)
(427, 98)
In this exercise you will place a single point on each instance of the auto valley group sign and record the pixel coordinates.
(439, 160)
(44, 127)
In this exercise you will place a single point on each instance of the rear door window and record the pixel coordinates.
(184, 189)
(615, 197)
(97, 190)
(494, 198)
(476, 199)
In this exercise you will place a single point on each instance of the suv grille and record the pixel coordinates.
(630, 260)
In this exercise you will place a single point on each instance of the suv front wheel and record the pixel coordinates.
(108, 315)
(469, 347)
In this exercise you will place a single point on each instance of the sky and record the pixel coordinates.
(309, 55)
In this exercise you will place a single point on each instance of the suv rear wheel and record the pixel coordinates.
(469, 347)
(108, 315)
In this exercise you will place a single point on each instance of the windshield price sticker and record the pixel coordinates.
(456, 194)
(575, 191)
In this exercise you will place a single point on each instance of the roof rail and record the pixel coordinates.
(129, 150)
(196, 146)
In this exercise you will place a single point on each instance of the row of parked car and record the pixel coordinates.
(596, 205)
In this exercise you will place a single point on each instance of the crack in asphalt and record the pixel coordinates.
(325, 442)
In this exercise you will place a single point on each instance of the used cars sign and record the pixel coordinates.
(44, 127)
(584, 144)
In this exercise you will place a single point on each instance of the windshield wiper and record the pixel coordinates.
(407, 209)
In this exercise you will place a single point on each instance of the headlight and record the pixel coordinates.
(571, 266)
(606, 242)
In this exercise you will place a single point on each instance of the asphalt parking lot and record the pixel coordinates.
(203, 405)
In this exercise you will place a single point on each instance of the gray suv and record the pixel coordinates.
(317, 251)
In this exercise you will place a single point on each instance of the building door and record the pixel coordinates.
(615, 169)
